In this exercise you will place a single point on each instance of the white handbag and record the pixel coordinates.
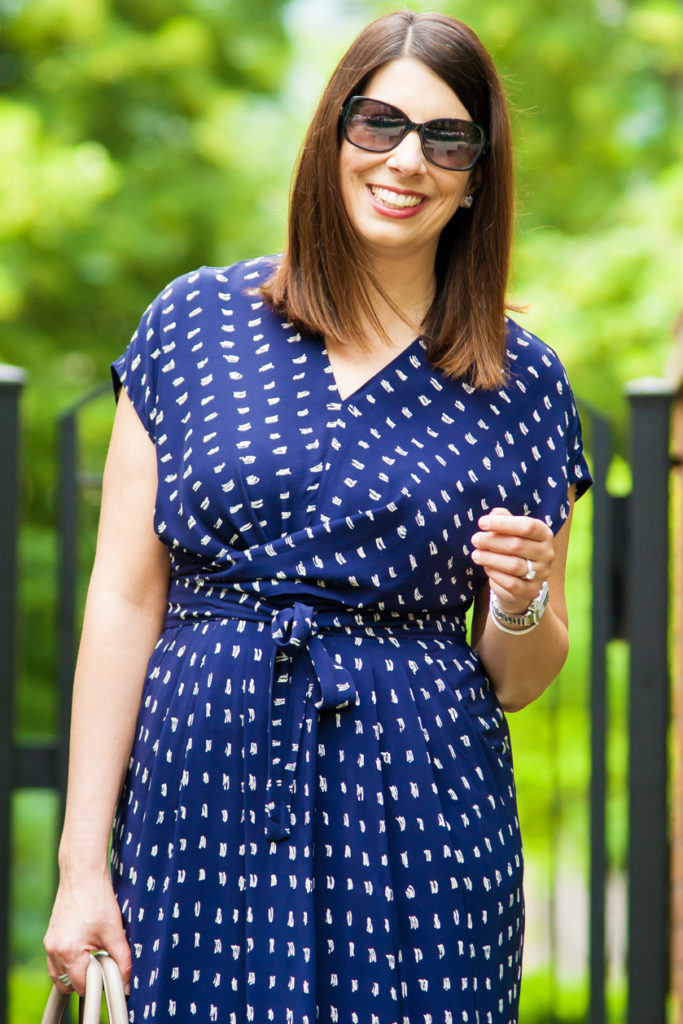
(102, 976)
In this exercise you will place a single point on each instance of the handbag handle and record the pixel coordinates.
(102, 975)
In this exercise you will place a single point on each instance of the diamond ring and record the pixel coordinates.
(530, 571)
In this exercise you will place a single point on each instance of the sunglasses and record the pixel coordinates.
(377, 127)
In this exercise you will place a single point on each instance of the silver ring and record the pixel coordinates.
(530, 571)
(64, 979)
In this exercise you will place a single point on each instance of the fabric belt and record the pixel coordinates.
(297, 632)
(294, 633)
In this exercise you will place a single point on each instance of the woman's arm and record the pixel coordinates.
(521, 667)
(123, 618)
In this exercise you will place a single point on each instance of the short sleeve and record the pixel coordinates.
(544, 430)
(136, 369)
(564, 463)
(578, 473)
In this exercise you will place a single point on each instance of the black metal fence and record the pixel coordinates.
(630, 591)
(629, 600)
(648, 604)
(11, 384)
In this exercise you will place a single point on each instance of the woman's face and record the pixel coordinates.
(398, 202)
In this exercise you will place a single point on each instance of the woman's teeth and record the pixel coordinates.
(397, 200)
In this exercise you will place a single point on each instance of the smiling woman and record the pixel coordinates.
(402, 184)
(319, 462)
(460, 311)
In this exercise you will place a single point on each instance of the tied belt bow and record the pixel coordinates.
(304, 677)
(298, 647)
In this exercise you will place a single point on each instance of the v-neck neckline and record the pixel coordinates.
(370, 381)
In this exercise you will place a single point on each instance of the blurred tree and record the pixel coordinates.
(123, 130)
(597, 87)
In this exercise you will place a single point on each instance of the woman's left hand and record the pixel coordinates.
(511, 549)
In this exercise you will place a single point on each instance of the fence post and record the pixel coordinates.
(676, 377)
(11, 383)
(67, 527)
(601, 632)
(70, 482)
(647, 560)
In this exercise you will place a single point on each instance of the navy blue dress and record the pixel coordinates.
(318, 823)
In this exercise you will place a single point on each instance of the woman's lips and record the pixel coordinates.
(394, 203)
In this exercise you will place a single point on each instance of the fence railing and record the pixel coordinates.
(647, 556)
(630, 600)
(11, 384)
(676, 802)
(602, 631)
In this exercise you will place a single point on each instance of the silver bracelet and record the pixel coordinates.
(518, 623)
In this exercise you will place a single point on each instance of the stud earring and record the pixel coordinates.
(467, 202)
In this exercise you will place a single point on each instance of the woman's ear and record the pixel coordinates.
(474, 180)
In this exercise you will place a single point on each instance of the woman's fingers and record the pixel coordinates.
(513, 589)
(515, 528)
(84, 920)
(512, 565)
(514, 536)
(516, 553)
(119, 950)
(68, 971)
(68, 974)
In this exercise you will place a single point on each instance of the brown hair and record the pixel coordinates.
(321, 285)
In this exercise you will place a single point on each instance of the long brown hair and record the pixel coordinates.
(324, 279)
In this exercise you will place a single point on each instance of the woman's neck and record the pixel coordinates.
(400, 310)
(411, 290)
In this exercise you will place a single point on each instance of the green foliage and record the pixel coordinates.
(28, 991)
(34, 815)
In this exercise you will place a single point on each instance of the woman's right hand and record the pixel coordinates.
(85, 918)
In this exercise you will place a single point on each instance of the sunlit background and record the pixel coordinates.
(142, 138)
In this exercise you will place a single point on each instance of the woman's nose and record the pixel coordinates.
(407, 158)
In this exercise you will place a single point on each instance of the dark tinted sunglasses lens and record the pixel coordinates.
(374, 126)
(455, 145)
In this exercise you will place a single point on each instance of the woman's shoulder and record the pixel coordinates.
(531, 359)
(222, 282)
(209, 300)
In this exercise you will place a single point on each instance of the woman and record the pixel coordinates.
(318, 463)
